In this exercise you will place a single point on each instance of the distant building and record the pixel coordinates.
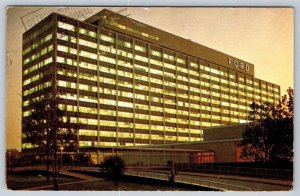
(129, 84)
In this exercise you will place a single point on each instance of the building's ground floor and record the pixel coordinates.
(221, 145)
(151, 156)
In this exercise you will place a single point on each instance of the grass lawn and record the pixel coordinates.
(20, 181)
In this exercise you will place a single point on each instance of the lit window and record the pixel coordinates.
(169, 57)
(155, 62)
(215, 71)
(170, 66)
(66, 49)
(107, 38)
(125, 104)
(88, 54)
(85, 143)
(194, 65)
(140, 48)
(155, 53)
(107, 49)
(141, 58)
(107, 59)
(87, 32)
(87, 43)
(179, 60)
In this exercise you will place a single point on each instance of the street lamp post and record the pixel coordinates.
(172, 177)
(61, 158)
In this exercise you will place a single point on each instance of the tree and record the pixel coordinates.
(115, 168)
(269, 136)
(81, 158)
(42, 130)
(67, 134)
(283, 128)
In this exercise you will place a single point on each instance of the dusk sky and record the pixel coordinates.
(262, 36)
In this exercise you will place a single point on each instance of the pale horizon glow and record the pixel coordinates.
(262, 36)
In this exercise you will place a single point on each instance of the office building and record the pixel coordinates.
(129, 84)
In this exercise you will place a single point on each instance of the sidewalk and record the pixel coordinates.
(78, 175)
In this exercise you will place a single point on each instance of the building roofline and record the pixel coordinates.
(211, 54)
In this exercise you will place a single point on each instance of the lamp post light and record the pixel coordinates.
(61, 158)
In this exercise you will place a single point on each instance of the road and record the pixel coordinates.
(220, 182)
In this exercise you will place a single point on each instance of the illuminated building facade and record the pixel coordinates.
(128, 84)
